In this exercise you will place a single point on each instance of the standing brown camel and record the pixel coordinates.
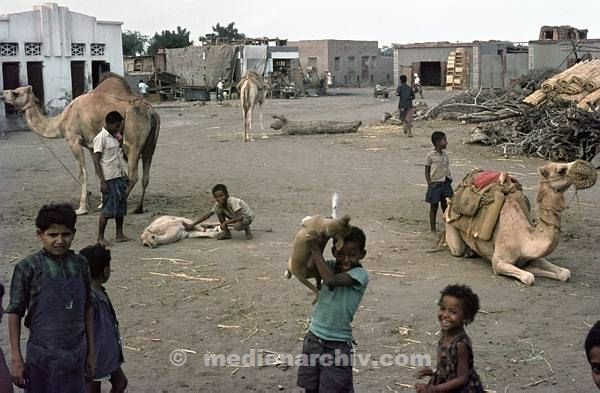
(84, 117)
(253, 90)
(518, 248)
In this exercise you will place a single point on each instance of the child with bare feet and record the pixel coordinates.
(111, 169)
(109, 354)
(455, 372)
(231, 211)
(438, 177)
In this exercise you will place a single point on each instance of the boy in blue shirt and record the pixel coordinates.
(327, 348)
(51, 289)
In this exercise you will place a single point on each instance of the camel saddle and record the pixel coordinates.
(478, 199)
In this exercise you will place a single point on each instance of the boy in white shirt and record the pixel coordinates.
(111, 170)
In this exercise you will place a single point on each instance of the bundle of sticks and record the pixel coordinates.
(556, 131)
(579, 84)
(476, 106)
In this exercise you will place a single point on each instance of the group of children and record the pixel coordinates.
(74, 341)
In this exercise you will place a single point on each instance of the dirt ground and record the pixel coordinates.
(525, 338)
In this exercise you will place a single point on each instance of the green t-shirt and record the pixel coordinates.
(333, 314)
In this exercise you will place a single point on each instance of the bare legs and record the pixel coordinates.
(120, 236)
(433, 213)
(238, 226)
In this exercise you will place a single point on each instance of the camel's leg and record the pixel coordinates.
(206, 234)
(147, 155)
(502, 266)
(248, 124)
(260, 116)
(456, 244)
(78, 152)
(543, 268)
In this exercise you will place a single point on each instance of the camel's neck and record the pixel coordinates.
(550, 205)
(42, 125)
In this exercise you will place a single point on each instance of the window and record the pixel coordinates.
(337, 65)
(33, 49)
(97, 49)
(77, 49)
(9, 48)
(351, 63)
(137, 65)
(312, 62)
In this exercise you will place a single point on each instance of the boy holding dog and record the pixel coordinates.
(327, 347)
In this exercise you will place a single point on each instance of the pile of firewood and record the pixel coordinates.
(556, 131)
(474, 106)
(579, 84)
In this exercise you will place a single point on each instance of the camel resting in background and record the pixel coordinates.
(84, 118)
(518, 248)
(170, 229)
(253, 90)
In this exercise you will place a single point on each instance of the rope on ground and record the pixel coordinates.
(59, 160)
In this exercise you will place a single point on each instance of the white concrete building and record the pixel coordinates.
(60, 53)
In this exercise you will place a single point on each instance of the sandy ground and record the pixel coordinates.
(525, 338)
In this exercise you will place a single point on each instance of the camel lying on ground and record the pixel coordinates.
(170, 229)
(517, 248)
(253, 90)
(84, 118)
(314, 227)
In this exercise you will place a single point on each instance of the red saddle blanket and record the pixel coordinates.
(483, 179)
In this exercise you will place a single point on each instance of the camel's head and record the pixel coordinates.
(20, 97)
(148, 239)
(560, 176)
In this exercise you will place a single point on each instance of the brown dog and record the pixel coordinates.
(314, 227)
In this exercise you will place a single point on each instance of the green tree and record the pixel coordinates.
(133, 43)
(386, 51)
(223, 34)
(169, 39)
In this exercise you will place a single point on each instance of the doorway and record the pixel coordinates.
(431, 73)
(10, 78)
(98, 68)
(77, 78)
(35, 79)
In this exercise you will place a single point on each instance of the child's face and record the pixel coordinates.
(220, 197)
(595, 363)
(57, 239)
(442, 144)
(112, 128)
(349, 256)
(451, 314)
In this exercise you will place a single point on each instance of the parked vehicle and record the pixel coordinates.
(381, 91)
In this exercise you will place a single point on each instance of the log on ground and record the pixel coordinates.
(292, 127)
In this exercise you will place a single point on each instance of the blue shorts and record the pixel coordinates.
(438, 191)
(114, 201)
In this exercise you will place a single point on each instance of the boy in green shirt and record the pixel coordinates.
(327, 349)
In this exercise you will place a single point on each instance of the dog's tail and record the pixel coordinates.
(336, 205)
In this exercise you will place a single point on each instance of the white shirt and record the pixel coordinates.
(112, 160)
(440, 166)
(142, 87)
(233, 205)
(417, 80)
(220, 85)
